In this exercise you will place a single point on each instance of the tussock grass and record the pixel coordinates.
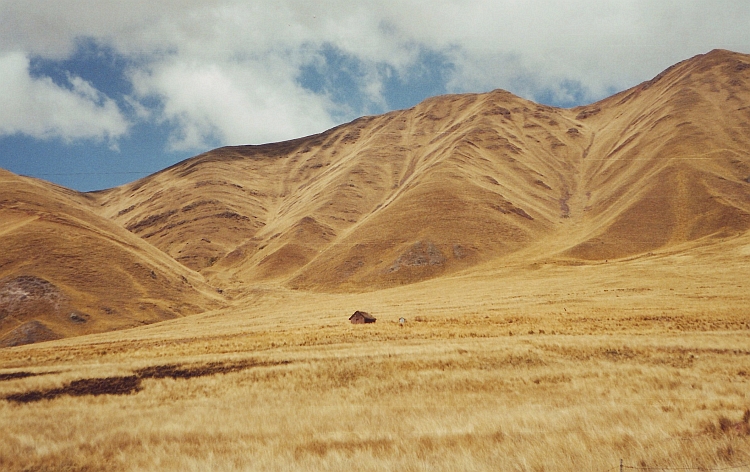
(587, 299)
(283, 382)
(500, 403)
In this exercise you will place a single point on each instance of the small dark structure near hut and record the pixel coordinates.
(360, 317)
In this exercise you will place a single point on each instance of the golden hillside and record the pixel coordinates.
(462, 180)
(458, 183)
(573, 282)
(65, 271)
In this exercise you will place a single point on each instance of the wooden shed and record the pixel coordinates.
(361, 317)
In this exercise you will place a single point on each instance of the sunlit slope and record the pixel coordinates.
(460, 181)
(485, 177)
(669, 161)
(66, 271)
(382, 200)
(457, 185)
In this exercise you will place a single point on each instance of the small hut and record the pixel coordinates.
(360, 317)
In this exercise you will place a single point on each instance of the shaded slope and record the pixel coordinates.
(66, 271)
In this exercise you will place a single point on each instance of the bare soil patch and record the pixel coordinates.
(20, 293)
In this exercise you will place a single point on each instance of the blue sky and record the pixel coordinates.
(97, 93)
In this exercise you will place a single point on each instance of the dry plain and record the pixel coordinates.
(573, 283)
(550, 368)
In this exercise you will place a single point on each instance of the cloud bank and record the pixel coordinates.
(42, 109)
(231, 72)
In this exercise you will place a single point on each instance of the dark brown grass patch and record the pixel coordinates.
(126, 385)
(175, 371)
(17, 375)
(77, 388)
(728, 426)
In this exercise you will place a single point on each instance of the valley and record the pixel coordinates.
(573, 283)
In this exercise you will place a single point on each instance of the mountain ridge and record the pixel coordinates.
(443, 136)
(65, 271)
(453, 184)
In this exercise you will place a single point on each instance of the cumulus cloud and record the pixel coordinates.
(228, 71)
(232, 102)
(533, 47)
(40, 108)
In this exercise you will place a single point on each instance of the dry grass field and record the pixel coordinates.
(561, 367)
(574, 284)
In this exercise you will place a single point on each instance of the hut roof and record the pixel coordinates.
(364, 314)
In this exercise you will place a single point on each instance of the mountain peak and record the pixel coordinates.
(454, 184)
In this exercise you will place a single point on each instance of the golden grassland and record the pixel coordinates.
(456, 183)
(529, 368)
(574, 283)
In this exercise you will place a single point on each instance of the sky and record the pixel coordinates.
(98, 93)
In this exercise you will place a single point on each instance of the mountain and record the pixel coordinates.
(460, 180)
(382, 200)
(670, 160)
(66, 271)
(457, 183)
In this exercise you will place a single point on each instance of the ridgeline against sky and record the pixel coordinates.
(459, 184)
(96, 94)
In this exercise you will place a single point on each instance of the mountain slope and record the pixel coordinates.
(670, 160)
(461, 180)
(66, 271)
(459, 183)
(356, 204)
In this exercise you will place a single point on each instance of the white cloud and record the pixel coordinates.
(40, 108)
(232, 102)
(529, 46)
(226, 70)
